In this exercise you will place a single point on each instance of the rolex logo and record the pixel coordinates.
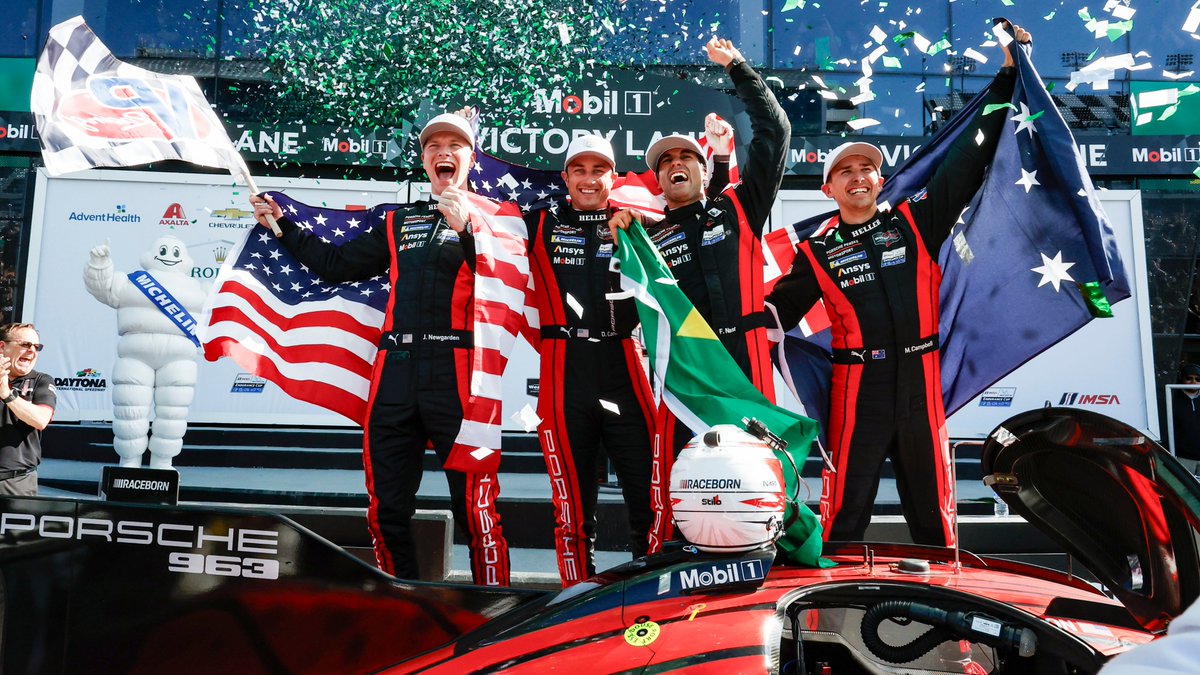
(220, 253)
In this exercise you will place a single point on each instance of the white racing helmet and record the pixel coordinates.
(727, 491)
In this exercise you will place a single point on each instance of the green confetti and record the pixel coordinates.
(1093, 54)
(1050, 87)
(938, 47)
(792, 4)
(891, 62)
(1050, 15)
(1196, 173)
(1007, 3)
(903, 37)
(993, 107)
(1171, 110)
(1118, 28)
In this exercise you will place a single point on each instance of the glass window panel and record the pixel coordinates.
(146, 28)
(19, 30)
(820, 37)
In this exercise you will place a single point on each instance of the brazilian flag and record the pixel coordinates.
(703, 386)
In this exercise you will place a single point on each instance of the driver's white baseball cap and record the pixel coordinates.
(590, 144)
(867, 150)
(662, 145)
(455, 124)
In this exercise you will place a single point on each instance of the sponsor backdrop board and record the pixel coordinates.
(1105, 366)
(130, 210)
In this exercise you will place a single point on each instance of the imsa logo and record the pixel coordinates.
(721, 574)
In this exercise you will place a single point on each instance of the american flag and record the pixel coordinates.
(317, 341)
(95, 110)
(278, 320)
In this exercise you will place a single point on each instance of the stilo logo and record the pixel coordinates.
(715, 500)
(1075, 398)
(174, 217)
(123, 109)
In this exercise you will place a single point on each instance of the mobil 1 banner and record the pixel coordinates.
(630, 109)
(1102, 155)
(130, 211)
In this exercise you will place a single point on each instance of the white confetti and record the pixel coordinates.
(527, 418)
(667, 282)
(480, 453)
(878, 35)
(610, 406)
(1178, 76)
(862, 123)
(1144, 118)
(979, 137)
(972, 54)
(574, 305)
(921, 42)
(819, 81)
(1120, 11)
(1192, 22)
(879, 51)
(862, 98)
(1001, 34)
(826, 94)
(1158, 97)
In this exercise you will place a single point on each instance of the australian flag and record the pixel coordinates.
(1031, 261)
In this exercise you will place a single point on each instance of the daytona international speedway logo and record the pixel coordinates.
(88, 379)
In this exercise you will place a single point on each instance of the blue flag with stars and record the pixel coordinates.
(1031, 261)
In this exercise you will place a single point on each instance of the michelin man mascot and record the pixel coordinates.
(156, 351)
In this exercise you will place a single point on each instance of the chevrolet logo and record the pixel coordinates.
(232, 214)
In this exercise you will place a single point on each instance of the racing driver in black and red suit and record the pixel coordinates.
(421, 376)
(714, 247)
(594, 390)
(877, 272)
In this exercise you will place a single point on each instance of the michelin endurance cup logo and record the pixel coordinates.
(720, 574)
(88, 379)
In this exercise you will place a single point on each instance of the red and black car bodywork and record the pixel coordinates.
(111, 588)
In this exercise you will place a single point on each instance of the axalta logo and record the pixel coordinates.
(18, 131)
(358, 146)
(722, 574)
(1188, 155)
(88, 379)
(174, 217)
(1076, 398)
(588, 102)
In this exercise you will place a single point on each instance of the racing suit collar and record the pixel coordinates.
(692, 211)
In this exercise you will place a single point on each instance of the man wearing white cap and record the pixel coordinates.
(422, 369)
(713, 247)
(877, 272)
(593, 390)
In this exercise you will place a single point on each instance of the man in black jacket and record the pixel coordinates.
(714, 247)
(877, 272)
(422, 373)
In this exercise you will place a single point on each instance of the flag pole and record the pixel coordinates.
(245, 171)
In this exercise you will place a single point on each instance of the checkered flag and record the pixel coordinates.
(94, 110)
